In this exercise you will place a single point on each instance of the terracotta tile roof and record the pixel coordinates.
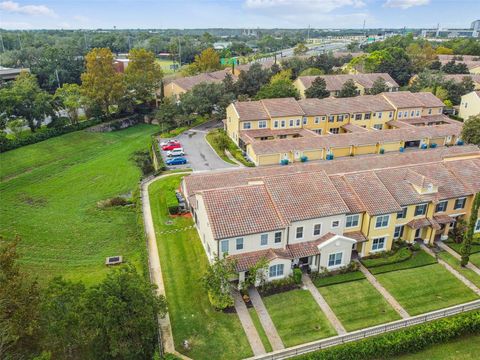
(428, 99)
(403, 99)
(304, 196)
(187, 83)
(353, 128)
(356, 235)
(398, 124)
(373, 194)
(246, 260)
(335, 82)
(443, 219)
(467, 172)
(423, 222)
(235, 211)
(460, 77)
(430, 120)
(282, 107)
(308, 248)
(470, 63)
(446, 57)
(250, 110)
(349, 196)
(358, 104)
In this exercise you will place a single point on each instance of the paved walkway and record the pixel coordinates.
(154, 266)
(456, 255)
(265, 320)
(248, 326)
(390, 299)
(454, 272)
(323, 305)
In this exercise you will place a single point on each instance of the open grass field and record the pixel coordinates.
(463, 348)
(165, 65)
(425, 288)
(49, 193)
(297, 317)
(358, 304)
(455, 263)
(212, 334)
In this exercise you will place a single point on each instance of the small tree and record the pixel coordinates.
(312, 72)
(471, 130)
(349, 89)
(300, 49)
(456, 234)
(468, 235)
(208, 60)
(216, 281)
(257, 274)
(378, 86)
(318, 89)
(70, 98)
(278, 89)
(221, 140)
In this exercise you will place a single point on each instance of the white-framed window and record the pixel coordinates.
(275, 124)
(317, 229)
(405, 113)
(324, 118)
(418, 112)
(275, 270)
(246, 125)
(441, 206)
(331, 118)
(299, 232)
(459, 203)
(335, 259)
(398, 233)
(382, 221)
(477, 226)
(239, 243)
(335, 223)
(352, 221)
(262, 124)
(378, 126)
(278, 237)
(358, 116)
(402, 214)
(317, 120)
(224, 244)
(367, 116)
(420, 209)
(298, 122)
(291, 122)
(429, 111)
(440, 110)
(412, 113)
(264, 240)
(390, 115)
(283, 123)
(340, 118)
(399, 114)
(378, 244)
(305, 120)
(379, 115)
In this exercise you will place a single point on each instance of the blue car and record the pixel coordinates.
(176, 161)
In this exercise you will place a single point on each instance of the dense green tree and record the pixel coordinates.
(378, 86)
(216, 281)
(204, 99)
(69, 98)
(166, 113)
(312, 72)
(208, 60)
(349, 89)
(250, 81)
(471, 130)
(453, 67)
(318, 89)
(300, 49)
(421, 55)
(101, 84)
(229, 84)
(278, 89)
(468, 236)
(143, 75)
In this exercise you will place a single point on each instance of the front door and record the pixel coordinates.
(417, 233)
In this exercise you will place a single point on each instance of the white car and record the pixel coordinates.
(175, 152)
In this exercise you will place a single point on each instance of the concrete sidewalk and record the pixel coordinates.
(452, 252)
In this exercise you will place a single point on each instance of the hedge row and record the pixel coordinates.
(404, 341)
(8, 144)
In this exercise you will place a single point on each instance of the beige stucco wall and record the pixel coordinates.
(469, 106)
(340, 245)
(308, 226)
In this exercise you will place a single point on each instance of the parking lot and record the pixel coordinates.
(199, 154)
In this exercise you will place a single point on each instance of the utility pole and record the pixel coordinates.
(308, 33)
(19, 41)
(58, 78)
(179, 53)
(1, 41)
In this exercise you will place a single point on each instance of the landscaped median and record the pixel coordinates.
(220, 142)
(199, 331)
(474, 254)
(355, 302)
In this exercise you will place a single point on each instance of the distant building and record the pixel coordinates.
(222, 45)
(120, 65)
(8, 74)
(473, 31)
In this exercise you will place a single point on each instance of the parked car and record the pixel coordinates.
(169, 142)
(175, 152)
(176, 161)
(172, 146)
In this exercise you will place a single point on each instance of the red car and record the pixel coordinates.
(171, 146)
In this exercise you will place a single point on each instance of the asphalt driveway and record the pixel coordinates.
(198, 152)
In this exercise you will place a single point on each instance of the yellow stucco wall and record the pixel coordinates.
(469, 106)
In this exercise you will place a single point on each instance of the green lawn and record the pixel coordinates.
(338, 278)
(475, 259)
(425, 288)
(419, 258)
(358, 304)
(210, 138)
(260, 329)
(456, 247)
(49, 193)
(211, 334)
(455, 263)
(165, 65)
(463, 348)
(297, 317)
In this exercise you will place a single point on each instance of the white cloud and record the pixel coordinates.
(405, 4)
(323, 6)
(15, 25)
(37, 10)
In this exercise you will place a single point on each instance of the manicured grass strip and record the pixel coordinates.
(211, 334)
(358, 304)
(402, 254)
(427, 288)
(232, 148)
(49, 193)
(464, 348)
(260, 329)
(419, 258)
(210, 138)
(455, 263)
(177, 131)
(297, 317)
(475, 259)
(339, 278)
(456, 247)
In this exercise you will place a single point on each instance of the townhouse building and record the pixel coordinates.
(274, 130)
(321, 214)
(469, 105)
(334, 83)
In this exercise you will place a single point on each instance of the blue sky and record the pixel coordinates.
(74, 14)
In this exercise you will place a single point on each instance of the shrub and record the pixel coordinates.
(278, 286)
(115, 201)
(385, 258)
(415, 246)
(413, 339)
(297, 275)
(173, 210)
(143, 160)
